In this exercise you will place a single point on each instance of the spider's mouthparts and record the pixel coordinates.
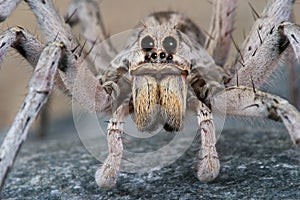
(159, 102)
(159, 69)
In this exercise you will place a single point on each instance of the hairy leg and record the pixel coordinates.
(209, 166)
(221, 26)
(74, 76)
(244, 101)
(264, 48)
(24, 42)
(293, 83)
(6, 8)
(39, 89)
(87, 13)
(275, 12)
(106, 176)
(292, 32)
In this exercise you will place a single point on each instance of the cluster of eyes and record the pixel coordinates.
(169, 44)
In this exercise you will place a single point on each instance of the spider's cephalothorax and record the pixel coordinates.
(161, 65)
(167, 68)
(159, 87)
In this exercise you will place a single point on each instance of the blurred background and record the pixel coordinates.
(118, 16)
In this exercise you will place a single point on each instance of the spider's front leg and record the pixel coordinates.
(73, 76)
(40, 87)
(244, 101)
(106, 176)
(209, 166)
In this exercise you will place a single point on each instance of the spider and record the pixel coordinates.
(168, 67)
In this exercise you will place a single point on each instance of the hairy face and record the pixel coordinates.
(162, 58)
(159, 79)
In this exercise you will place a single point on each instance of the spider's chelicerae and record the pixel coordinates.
(168, 67)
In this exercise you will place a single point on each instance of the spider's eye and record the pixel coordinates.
(170, 44)
(147, 44)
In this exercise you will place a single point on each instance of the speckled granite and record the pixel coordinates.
(254, 164)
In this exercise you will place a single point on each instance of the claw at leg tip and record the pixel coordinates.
(207, 173)
(102, 181)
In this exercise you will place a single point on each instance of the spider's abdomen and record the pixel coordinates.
(159, 102)
(182, 23)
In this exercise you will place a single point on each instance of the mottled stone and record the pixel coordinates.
(254, 164)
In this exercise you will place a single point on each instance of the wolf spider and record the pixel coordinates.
(168, 67)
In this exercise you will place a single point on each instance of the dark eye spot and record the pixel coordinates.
(162, 55)
(154, 55)
(170, 44)
(147, 44)
(147, 57)
(170, 57)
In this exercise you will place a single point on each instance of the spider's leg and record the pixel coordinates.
(245, 101)
(53, 26)
(260, 53)
(39, 89)
(106, 176)
(87, 13)
(74, 70)
(293, 83)
(292, 32)
(28, 46)
(24, 42)
(221, 26)
(6, 8)
(281, 44)
(209, 166)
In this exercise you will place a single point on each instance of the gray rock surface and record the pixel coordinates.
(254, 164)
